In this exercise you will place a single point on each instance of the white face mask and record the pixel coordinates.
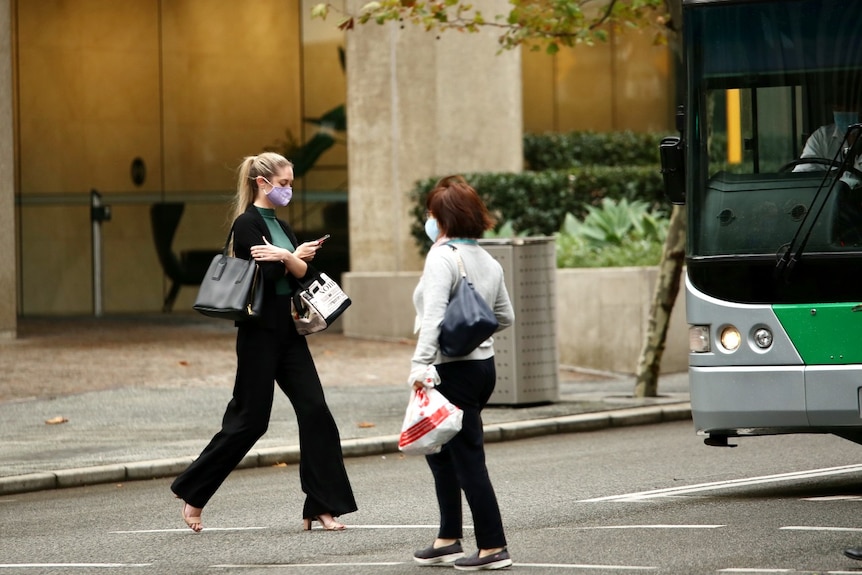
(431, 229)
(844, 120)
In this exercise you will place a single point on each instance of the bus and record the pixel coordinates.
(773, 268)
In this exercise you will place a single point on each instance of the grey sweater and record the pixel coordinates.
(437, 285)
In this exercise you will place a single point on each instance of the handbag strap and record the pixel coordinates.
(461, 269)
(461, 263)
(227, 241)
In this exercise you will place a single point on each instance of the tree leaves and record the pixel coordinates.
(553, 23)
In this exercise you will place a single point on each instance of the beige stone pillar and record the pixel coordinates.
(419, 106)
(8, 238)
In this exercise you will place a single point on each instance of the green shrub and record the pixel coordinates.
(576, 173)
(573, 254)
(506, 230)
(564, 151)
(536, 203)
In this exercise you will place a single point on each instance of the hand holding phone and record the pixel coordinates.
(322, 239)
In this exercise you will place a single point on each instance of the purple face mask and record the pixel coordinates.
(279, 195)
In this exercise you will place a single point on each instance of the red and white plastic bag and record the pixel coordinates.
(430, 421)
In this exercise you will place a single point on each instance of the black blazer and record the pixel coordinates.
(249, 229)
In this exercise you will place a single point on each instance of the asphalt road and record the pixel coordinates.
(649, 499)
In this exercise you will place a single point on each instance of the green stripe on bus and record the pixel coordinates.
(824, 334)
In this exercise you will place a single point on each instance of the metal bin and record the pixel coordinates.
(526, 354)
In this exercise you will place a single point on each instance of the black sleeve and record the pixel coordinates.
(245, 235)
(248, 232)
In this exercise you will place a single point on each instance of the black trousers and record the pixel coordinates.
(460, 465)
(264, 356)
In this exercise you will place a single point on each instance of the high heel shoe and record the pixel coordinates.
(193, 522)
(329, 524)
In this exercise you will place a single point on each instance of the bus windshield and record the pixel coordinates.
(768, 83)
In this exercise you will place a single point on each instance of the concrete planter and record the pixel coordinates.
(602, 315)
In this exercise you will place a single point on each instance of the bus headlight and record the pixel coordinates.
(698, 338)
(730, 338)
(762, 338)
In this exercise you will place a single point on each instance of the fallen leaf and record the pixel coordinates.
(56, 420)
(184, 363)
(365, 424)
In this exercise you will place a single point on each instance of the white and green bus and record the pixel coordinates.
(774, 242)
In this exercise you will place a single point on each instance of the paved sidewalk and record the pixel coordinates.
(94, 400)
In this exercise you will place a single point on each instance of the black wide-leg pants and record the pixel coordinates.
(264, 356)
(460, 465)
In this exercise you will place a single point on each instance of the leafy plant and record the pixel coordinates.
(618, 233)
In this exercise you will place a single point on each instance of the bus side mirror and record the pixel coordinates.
(673, 168)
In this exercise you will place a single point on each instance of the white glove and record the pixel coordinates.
(427, 374)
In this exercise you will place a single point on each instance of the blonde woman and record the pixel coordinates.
(270, 350)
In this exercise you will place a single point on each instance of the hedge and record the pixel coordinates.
(564, 151)
(537, 202)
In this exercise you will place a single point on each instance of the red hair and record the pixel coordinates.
(458, 209)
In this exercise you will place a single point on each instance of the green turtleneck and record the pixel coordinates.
(280, 239)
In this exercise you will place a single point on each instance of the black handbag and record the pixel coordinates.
(317, 303)
(232, 288)
(468, 320)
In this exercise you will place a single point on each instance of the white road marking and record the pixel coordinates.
(647, 527)
(187, 530)
(752, 570)
(390, 564)
(305, 565)
(756, 570)
(372, 526)
(581, 566)
(62, 565)
(717, 485)
(811, 528)
(834, 498)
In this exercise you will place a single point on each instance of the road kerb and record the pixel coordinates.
(509, 431)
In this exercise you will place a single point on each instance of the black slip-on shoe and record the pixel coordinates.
(499, 560)
(854, 553)
(446, 554)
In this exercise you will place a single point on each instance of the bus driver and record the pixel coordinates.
(828, 140)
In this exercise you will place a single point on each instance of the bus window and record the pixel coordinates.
(778, 122)
(753, 130)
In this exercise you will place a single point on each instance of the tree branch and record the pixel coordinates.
(606, 17)
(556, 22)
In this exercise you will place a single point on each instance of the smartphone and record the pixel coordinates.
(323, 239)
